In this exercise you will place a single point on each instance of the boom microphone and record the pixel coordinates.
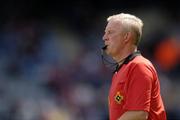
(109, 63)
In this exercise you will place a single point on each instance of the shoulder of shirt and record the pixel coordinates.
(141, 61)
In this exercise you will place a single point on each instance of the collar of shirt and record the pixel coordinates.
(127, 60)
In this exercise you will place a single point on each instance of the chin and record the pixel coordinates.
(108, 52)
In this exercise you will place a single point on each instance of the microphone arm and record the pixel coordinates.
(106, 61)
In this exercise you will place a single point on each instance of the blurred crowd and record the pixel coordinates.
(50, 70)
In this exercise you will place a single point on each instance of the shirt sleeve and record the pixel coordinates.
(139, 88)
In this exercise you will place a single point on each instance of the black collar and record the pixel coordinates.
(127, 60)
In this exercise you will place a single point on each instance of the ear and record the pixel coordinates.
(127, 37)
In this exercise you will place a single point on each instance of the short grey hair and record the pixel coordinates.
(130, 23)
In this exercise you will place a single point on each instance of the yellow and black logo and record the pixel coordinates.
(118, 97)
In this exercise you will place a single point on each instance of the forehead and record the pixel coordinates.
(113, 25)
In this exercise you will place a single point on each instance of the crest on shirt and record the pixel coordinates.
(118, 97)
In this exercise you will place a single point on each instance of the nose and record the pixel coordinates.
(105, 37)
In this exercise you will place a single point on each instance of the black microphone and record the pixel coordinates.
(103, 50)
(104, 47)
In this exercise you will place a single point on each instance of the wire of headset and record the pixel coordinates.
(108, 63)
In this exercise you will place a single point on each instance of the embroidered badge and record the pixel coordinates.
(118, 97)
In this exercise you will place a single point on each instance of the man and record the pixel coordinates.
(135, 90)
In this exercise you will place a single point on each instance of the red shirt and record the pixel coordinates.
(135, 86)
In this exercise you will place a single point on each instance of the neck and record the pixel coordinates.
(123, 54)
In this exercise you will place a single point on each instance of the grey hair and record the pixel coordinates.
(130, 23)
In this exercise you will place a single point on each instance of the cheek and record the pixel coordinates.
(118, 45)
(115, 45)
(116, 41)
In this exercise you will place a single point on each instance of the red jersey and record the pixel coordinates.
(135, 86)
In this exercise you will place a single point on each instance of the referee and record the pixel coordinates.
(135, 89)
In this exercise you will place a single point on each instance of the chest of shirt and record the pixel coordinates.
(118, 89)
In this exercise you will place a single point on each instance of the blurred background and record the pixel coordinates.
(50, 58)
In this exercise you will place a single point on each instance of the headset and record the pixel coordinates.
(112, 65)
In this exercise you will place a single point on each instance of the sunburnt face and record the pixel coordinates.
(113, 38)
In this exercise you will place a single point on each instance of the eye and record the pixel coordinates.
(109, 32)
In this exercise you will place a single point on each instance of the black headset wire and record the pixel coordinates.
(109, 64)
